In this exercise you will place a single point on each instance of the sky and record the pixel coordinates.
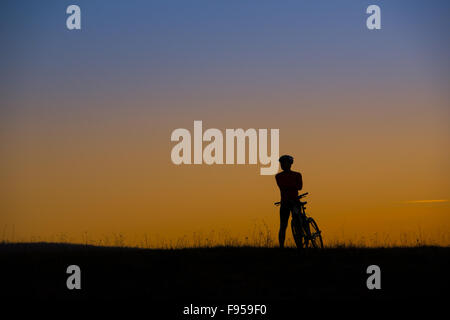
(86, 118)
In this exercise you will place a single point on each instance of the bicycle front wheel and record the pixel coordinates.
(315, 234)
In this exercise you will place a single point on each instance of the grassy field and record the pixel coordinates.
(222, 274)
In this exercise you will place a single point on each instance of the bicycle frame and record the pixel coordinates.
(303, 218)
(304, 225)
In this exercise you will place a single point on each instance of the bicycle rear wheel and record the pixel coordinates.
(298, 233)
(315, 234)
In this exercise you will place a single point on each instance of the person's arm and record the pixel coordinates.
(281, 183)
(278, 182)
(299, 182)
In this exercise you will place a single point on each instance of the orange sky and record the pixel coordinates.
(110, 173)
(86, 120)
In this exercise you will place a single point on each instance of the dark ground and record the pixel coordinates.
(223, 275)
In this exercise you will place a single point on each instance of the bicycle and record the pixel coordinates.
(304, 229)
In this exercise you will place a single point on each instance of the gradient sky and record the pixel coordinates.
(86, 116)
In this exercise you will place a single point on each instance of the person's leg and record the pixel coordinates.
(284, 219)
(296, 213)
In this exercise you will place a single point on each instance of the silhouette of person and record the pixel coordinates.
(289, 183)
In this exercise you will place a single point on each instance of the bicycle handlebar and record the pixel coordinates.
(299, 197)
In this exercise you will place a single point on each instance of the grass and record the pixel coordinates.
(223, 268)
(260, 236)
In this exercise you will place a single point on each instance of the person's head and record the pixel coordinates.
(286, 162)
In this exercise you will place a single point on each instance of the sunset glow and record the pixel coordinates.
(87, 118)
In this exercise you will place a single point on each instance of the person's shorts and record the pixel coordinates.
(286, 208)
